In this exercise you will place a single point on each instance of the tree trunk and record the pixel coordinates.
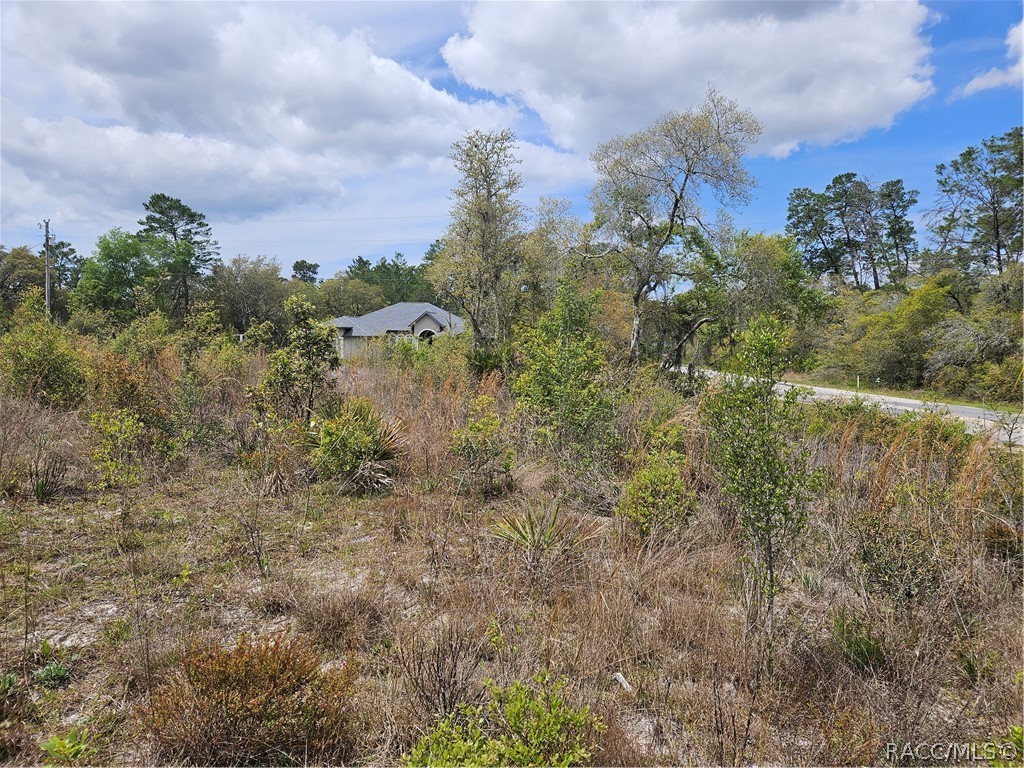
(634, 336)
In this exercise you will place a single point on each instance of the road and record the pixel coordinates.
(1008, 426)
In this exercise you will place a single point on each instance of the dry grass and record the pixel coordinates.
(421, 595)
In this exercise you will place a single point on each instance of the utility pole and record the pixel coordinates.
(46, 249)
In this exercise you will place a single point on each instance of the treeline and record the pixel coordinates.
(172, 267)
(861, 292)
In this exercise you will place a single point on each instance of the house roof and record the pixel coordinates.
(398, 318)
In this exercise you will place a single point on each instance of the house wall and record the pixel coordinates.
(353, 346)
(426, 323)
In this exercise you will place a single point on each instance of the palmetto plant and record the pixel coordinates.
(538, 530)
(357, 447)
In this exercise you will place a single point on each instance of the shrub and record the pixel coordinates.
(265, 701)
(562, 383)
(357, 447)
(762, 464)
(520, 725)
(896, 556)
(118, 454)
(657, 497)
(300, 373)
(481, 445)
(39, 360)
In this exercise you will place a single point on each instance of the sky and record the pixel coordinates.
(323, 131)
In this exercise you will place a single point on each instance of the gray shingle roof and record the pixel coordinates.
(398, 318)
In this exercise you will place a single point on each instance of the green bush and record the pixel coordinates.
(52, 675)
(483, 448)
(118, 454)
(69, 749)
(519, 725)
(657, 497)
(264, 702)
(40, 361)
(357, 446)
(562, 381)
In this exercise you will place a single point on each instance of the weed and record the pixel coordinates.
(52, 675)
(70, 749)
(856, 641)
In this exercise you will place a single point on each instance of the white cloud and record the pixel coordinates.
(811, 72)
(235, 108)
(1011, 75)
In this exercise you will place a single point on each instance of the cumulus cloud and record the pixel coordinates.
(1011, 75)
(811, 72)
(240, 108)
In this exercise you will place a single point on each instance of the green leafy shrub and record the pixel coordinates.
(657, 497)
(519, 725)
(562, 379)
(265, 701)
(299, 373)
(483, 448)
(357, 446)
(118, 453)
(40, 360)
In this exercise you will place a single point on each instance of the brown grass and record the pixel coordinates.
(415, 590)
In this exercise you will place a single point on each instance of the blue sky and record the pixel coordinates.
(321, 130)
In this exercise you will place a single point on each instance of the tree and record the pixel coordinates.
(182, 266)
(169, 216)
(178, 274)
(343, 295)
(977, 220)
(763, 469)
(300, 372)
(853, 228)
(65, 265)
(249, 291)
(562, 378)
(477, 270)
(20, 269)
(549, 254)
(397, 279)
(734, 283)
(117, 279)
(649, 185)
(305, 271)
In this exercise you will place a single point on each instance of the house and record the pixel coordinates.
(412, 319)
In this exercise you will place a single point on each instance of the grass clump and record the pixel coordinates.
(265, 701)
(857, 642)
(520, 725)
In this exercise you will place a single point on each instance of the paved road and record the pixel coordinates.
(978, 420)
